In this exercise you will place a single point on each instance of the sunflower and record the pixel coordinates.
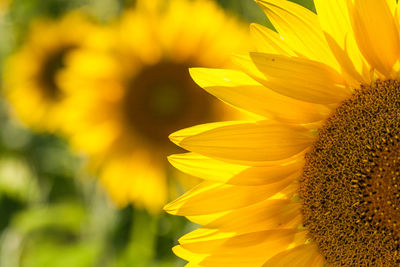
(135, 89)
(31, 74)
(316, 182)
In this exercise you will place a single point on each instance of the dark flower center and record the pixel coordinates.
(163, 98)
(50, 67)
(350, 186)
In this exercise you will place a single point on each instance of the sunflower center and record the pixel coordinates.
(51, 66)
(163, 98)
(350, 185)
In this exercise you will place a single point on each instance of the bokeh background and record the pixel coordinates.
(62, 203)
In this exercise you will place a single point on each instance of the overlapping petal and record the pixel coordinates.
(335, 22)
(226, 249)
(251, 141)
(269, 41)
(236, 174)
(239, 90)
(300, 78)
(304, 255)
(201, 200)
(376, 33)
(266, 215)
(300, 29)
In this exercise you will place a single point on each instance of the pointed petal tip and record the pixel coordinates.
(176, 137)
(172, 159)
(198, 75)
(193, 71)
(254, 27)
(173, 138)
(171, 208)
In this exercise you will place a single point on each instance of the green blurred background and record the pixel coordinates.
(52, 212)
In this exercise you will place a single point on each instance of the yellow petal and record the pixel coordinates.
(212, 241)
(238, 89)
(137, 179)
(334, 19)
(354, 77)
(301, 79)
(269, 41)
(180, 135)
(284, 194)
(219, 197)
(300, 29)
(229, 251)
(206, 218)
(304, 255)
(185, 254)
(235, 174)
(376, 33)
(266, 215)
(335, 22)
(392, 4)
(252, 141)
(242, 61)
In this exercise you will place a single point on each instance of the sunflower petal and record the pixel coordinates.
(252, 141)
(266, 215)
(206, 218)
(335, 22)
(194, 258)
(137, 179)
(376, 33)
(301, 79)
(180, 135)
(238, 89)
(304, 255)
(244, 62)
(214, 240)
(392, 4)
(235, 174)
(268, 41)
(202, 200)
(300, 29)
(228, 251)
(353, 76)
(334, 19)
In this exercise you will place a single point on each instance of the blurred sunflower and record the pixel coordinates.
(31, 74)
(316, 182)
(4, 4)
(135, 89)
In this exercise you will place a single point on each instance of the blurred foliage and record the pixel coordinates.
(252, 13)
(247, 10)
(53, 214)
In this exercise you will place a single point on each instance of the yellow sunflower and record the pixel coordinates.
(135, 90)
(31, 74)
(316, 182)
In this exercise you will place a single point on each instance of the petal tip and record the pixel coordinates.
(170, 208)
(175, 138)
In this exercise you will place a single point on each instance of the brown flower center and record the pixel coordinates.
(48, 73)
(350, 186)
(163, 98)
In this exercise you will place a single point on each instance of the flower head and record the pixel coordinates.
(135, 89)
(316, 181)
(31, 74)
